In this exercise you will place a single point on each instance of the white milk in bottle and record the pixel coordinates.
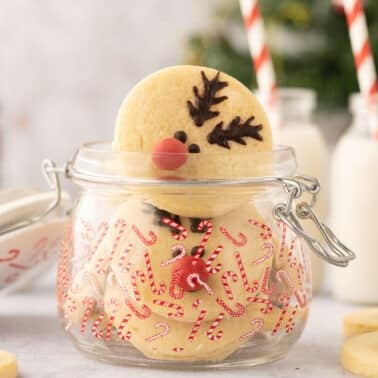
(300, 132)
(354, 208)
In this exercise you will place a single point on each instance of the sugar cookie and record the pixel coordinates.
(8, 365)
(217, 122)
(359, 354)
(362, 321)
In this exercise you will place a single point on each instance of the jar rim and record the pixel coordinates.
(96, 162)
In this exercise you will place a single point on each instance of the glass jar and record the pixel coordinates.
(354, 193)
(140, 285)
(300, 132)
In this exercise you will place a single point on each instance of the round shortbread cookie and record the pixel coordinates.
(362, 321)
(220, 122)
(236, 256)
(8, 365)
(359, 354)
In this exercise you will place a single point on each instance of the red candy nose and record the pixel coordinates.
(169, 154)
(190, 274)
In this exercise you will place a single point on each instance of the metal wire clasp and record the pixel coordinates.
(332, 249)
(51, 173)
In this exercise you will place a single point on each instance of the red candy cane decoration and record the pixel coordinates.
(237, 243)
(240, 311)
(150, 275)
(205, 239)
(140, 315)
(248, 288)
(197, 325)
(121, 263)
(283, 277)
(175, 248)
(290, 325)
(268, 304)
(120, 224)
(285, 301)
(179, 310)
(120, 331)
(177, 349)
(96, 323)
(225, 276)
(218, 267)
(13, 254)
(210, 332)
(103, 229)
(267, 256)
(172, 286)
(89, 303)
(266, 289)
(183, 231)
(165, 330)
(147, 242)
(283, 239)
(256, 325)
(142, 278)
(194, 278)
(266, 231)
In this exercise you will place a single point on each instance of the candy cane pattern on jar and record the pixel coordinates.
(209, 229)
(225, 277)
(209, 262)
(140, 315)
(239, 312)
(142, 278)
(147, 242)
(281, 252)
(256, 325)
(268, 304)
(290, 325)
(265, 287)
(121, 263)
(197, 325)
(269, 246)
(284, 299)
(150, 275)
(210, 332)
(283, 277)
(237, 243)
(89, 303)
(165, 330)
(102, 229)
(120, 330)
(172, 286)
(176, 248)
(183, 231)
(179, 310)
(255, 284)
(266, 231)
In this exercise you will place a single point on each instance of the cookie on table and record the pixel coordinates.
(359, 354)
(210, 120)
(362, 321)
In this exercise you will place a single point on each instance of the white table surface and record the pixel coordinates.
(30, 329)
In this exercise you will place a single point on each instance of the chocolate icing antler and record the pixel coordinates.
(201, 110)
(235, 131)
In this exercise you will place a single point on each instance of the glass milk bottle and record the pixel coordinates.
(301, 133)
(354, 205)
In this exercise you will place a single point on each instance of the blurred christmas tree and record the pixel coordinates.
(308, 39)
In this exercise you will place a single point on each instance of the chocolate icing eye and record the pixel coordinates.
(194, 251)
(181, 136)
(194, 148)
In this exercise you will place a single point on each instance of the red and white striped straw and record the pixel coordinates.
(265, 75)
(363, 57)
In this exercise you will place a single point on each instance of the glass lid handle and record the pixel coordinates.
(331, 249)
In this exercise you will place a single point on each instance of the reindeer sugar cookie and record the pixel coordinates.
(195, 123)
